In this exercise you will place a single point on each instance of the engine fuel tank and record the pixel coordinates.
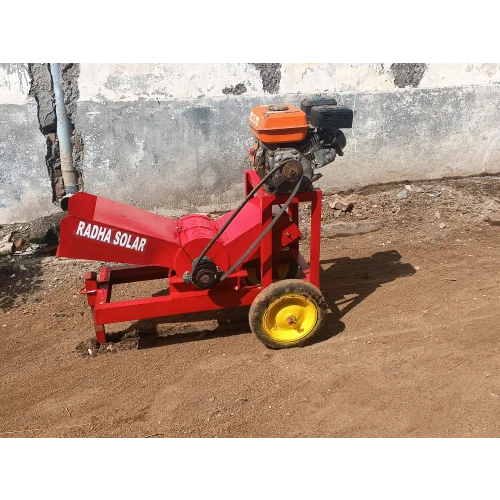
(278, 123)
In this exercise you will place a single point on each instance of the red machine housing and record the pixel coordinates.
(157, 247)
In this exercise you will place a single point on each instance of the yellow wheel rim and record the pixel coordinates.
(290, 318)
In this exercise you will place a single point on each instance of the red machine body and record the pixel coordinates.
(231, 261)
(100, 229)
(155, 247)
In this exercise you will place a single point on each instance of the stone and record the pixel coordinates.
(410, 187)
(493, 220)
(341, 229)
(402, 194)
(339, 204)
(442, 225)
(6, 238)
(19, 243)
(6, 248)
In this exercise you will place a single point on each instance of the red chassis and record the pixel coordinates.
(163, 252)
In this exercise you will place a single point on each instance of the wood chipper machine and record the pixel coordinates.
(248, 257)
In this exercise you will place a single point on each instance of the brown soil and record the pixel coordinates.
(411, 348)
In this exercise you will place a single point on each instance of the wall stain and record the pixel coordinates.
(408, 74)
(20, 70)
(238, 89)
(270, 73)
(201, 118)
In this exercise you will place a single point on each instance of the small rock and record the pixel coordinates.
(19, 243)
(340, 204)
(4, 325)
(493, 220)
(437, 215)
(6, 248)
(212, 399)
(417, 268)
(417, 189)
(402, 194)
(6, 238)
(442, 225)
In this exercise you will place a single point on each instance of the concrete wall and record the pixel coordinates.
(173, 137)
(25, 188)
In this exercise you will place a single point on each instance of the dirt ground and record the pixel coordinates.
(410, 349)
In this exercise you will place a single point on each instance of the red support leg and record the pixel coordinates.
(100, 332)
(294, 212)
(266, 245)
(97, 296)
(314, 254)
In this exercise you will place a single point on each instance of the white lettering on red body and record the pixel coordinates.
(104, 234)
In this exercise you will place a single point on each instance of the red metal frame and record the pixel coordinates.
(186, 298)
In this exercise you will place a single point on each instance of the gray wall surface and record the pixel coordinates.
(25, 188)
(173, 138)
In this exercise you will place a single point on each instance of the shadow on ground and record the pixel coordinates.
(344, 277)
(343, 281)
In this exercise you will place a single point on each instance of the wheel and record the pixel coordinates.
(287, 313)
(283, 271)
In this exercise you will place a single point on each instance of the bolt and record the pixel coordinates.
(205, 279)
(291, 320)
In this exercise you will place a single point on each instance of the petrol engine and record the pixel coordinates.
(292, 143)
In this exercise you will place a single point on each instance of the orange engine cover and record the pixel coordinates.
(278, 123)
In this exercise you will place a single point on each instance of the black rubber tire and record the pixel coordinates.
(275, 291)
